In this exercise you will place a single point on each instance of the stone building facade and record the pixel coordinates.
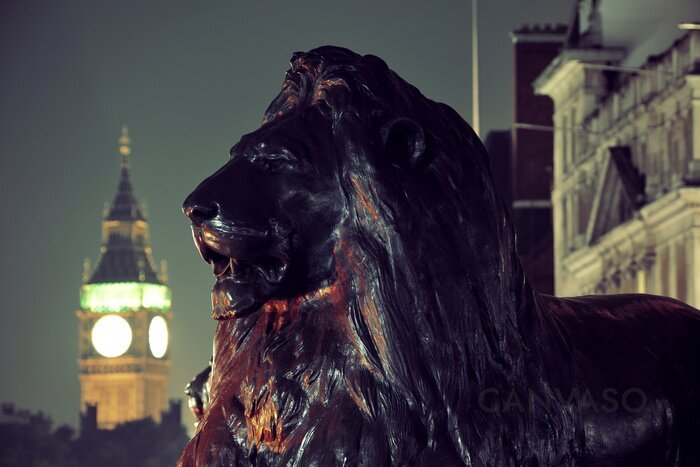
(626, 194)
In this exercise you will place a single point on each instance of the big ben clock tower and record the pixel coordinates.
(124, 317)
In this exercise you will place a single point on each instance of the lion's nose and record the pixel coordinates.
(199, 213)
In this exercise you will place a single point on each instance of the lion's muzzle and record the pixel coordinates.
(250, 264)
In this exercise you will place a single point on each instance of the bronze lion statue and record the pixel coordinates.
(373, 311)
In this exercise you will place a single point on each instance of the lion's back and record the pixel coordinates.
(630, 340)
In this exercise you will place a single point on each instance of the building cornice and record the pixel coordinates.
(569, 61)
(519, 38)
(540, 33)
(680, 203)
(115, 368)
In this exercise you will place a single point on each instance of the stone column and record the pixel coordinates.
(672, 252)
(694, 268)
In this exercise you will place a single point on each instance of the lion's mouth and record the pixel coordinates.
(270, 269)
(243, 282)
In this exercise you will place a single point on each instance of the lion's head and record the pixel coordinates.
(366, 281)
(333, 158)
(266, 220)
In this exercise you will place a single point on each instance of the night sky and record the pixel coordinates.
(188, 78)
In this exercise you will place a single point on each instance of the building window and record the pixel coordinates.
(585, 200)
(642, 158)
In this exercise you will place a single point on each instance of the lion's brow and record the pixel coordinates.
(326, 84)
(263, 151)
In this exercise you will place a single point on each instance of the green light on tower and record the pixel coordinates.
(125, 296)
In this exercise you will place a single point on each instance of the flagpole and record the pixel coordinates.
(475, 69)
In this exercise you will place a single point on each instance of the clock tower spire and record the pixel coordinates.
(125, 313)
(125, 146)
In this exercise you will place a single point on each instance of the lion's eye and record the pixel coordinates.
(274, 164)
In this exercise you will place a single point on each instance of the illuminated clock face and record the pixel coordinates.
(158, 336)
(111, 336)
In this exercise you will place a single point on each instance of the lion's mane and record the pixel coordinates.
(431, 308)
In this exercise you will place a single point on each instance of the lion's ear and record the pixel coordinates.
(404, 143)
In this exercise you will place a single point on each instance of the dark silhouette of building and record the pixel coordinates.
(29, 439)
(533, 152)
(522, 158)
(498, 144)
(171, 418)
